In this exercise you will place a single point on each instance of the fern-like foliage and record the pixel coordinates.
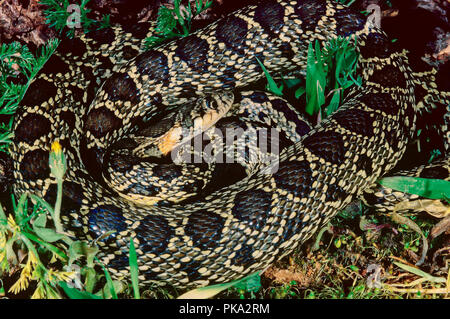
(63, 15)
(17, 62)
(176, 22)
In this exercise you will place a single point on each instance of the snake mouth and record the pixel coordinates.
(178, 135)
(170, 140)
(192, 120)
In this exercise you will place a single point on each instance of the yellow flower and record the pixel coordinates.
(42, 292)
(54, 258)
(39, 293)
(2, 240)
(59, 275)
(32, 258)
(25, 275)
(56, 147)
(57, 161)
(2, 246)
(12, 224)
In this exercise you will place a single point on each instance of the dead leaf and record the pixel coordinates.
(303, 278)
(439, 228)
(434, 207)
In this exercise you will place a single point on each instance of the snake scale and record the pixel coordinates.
(99, 89)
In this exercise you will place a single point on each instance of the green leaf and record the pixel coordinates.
(290, 83)
(338, 243)
(21, 205)
(134, 270)
(73, 293)
(421, 273)
(45, 244)
(211, 291)
(272, 86)
(300, 91)
(47, 234)
(174, 22)
(200, 7)
(250, 283)
(40, 221)
(90, 279)
(80, 248)
(2, 290)
(43, 203)
(318, 52)
(354, 268)
(3, 217)
(339, 67)
(166, 22)
(334, 103)
(315, 82)
(111, 292)
(410, 223)
(433, 154)
(425, 187)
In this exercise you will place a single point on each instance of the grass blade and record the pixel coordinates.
(272, 86)
(211, 291)
(134, 270)
(110, 283)
(420, 273)
(425, 187)
(73, 293)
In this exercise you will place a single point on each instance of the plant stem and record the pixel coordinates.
(57, 220)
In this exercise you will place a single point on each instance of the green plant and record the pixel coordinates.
(284, 291)
(424, 187)
(272, 86)
(433, 154)
(16, 60)
(63, 15)
(18, 64)
(27, 230)
(5, 136)
(346, 2)
(176, 22)
(329, 72)
(36, 243)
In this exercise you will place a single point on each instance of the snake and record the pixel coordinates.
(112, 105)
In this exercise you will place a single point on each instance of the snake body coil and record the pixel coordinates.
(247, 225)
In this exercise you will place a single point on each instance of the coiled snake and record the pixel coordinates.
(97, 92)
